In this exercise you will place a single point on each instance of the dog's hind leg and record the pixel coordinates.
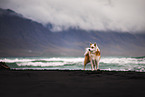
(97, 65)
(84, 66)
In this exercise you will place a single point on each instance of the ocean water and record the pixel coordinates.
(75, 63)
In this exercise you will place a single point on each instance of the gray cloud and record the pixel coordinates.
(116, 15)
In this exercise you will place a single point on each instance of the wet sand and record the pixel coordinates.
(74, 83)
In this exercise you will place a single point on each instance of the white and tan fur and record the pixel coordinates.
(92, 55)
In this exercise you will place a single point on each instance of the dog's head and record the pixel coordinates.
(93, 46)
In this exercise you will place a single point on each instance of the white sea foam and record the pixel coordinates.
(74, 60)
(13, 60)
(123, 60)
(41, 64)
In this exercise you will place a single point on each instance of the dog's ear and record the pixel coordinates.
(90, 43)
(95, 44)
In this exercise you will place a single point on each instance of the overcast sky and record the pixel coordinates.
(116, 15)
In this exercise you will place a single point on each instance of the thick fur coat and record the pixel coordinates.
(92, 55)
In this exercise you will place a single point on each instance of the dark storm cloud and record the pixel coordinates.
(116, 15)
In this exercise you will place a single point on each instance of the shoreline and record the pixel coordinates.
(70, 83)
(53, 69)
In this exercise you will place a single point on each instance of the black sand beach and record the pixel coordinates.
(65, 83)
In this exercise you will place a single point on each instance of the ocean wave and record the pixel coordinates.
(109, 63)
(14, 60)
(143, 57)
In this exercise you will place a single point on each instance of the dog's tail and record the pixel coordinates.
(87, 59)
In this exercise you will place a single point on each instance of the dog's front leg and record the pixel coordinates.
(92, 65)
(95, 64)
